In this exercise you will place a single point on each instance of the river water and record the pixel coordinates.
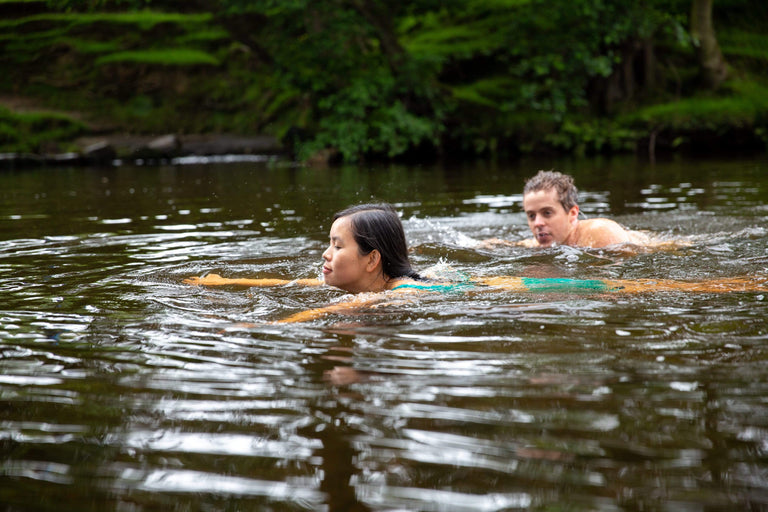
(122, 388)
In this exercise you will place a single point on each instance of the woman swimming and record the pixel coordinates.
(368, 254)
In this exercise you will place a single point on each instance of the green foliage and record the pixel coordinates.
(167, 56)
(364, 97)
(380, 78)
(744, 104)
(205, 35)
(89, 5)
(748, 45)
(132, 69)
(84, 46)
(431, 38)
(743, 107)
(489, 92)
(598, 136)
(29, 132)
(508, 61)
(143, 20)
(358, 122)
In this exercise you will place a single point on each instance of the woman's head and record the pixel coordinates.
(367, 242)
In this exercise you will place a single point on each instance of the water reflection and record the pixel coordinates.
(122, 388)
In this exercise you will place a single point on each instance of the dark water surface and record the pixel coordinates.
(121, 388)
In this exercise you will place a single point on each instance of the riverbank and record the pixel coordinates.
(46, 136)
(118, 149)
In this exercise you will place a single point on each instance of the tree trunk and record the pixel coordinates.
(377, 15)
(649, 64)
(711, 60)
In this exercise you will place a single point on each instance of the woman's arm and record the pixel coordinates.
(721, 285)
(361, 301)
(531, 284)
(217, 280)
(313, 314)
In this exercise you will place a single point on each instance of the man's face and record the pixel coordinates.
(549, 221)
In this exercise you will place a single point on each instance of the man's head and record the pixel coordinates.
(567, 193)
(550, 204)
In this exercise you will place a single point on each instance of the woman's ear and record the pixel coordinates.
(374, 259)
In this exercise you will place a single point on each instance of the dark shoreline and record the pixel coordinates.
(118, 149)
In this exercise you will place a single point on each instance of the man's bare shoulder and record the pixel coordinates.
(606, 232)
(601, 232)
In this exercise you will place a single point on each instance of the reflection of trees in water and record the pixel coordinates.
(338, 467)
(716, 459)
(337, 453)
(731, 462)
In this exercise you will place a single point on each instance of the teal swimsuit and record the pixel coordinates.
(444, 288)
(564, 284)
(531, 283)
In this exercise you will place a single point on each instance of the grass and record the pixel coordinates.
(167, 56)
(30, 132)
(742, 104)
(749, 48)
(144, 20)
(485, 92)
(205, 35)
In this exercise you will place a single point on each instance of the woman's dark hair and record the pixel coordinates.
(377, 226)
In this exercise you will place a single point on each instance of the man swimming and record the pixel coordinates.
(550, 202)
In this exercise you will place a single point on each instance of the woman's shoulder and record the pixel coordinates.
(440, 277)
(402, 282)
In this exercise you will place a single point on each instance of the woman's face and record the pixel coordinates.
(344, 266)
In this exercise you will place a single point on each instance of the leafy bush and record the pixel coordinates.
(29, 132)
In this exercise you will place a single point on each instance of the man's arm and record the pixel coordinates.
(494, 242)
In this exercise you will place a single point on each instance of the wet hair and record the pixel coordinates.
(377, 226)
(567, 193)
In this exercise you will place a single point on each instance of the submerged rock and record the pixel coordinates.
(101, 151)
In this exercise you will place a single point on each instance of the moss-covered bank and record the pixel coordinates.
(467, 80)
